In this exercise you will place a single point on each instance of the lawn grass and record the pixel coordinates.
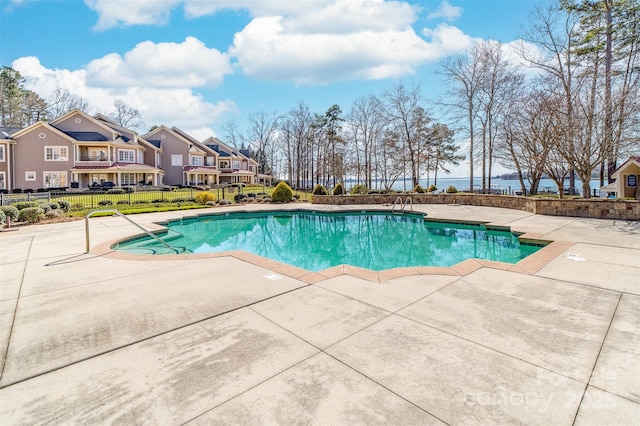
(154, 201)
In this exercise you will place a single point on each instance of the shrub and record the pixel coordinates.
(53, 214)
(77, 206)
(31, 215)
(224, 202)
(45, 207)
(418, 189)
(451, 189)
(54, 205)
(105, 203)
(11, 212)
(359, 189)
(3, 218)
(239, 198)
(432, 188)
(282, 193)
(25, 204)
(210, 203)
(319, 190)
(338, 190)
(204, 197)
(123, 202)
(115, 191)
(252, 195)
(65, 206)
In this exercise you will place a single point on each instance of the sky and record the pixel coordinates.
(198, 64)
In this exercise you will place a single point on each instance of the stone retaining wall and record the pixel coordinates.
(592, 208)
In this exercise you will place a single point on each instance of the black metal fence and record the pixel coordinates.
(97, 199)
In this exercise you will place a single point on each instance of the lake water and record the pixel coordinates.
(462, 184)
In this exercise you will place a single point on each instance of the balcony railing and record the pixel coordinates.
(93, 158)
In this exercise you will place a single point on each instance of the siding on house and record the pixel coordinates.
(77, 150)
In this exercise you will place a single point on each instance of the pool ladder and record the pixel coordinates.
(151, 234)
(402, 205)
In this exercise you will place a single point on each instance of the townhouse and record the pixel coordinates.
(185, 160)
(236, 166)
(79, 151)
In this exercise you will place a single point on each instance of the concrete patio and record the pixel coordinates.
(100, 338)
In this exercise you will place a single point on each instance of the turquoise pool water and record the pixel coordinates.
(316, 241)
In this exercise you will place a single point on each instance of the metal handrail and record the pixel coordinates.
(408, 200)
(152, 235)
(403, 205)
(393, 208)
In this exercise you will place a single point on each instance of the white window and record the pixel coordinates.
(196, 161)
(236, 165)
(127, 155)
(210, 161)
(30, 176)
(128, 179)
(140, 157)
(55, 179)
(3, 181)
(2, 153)
(176, 160)
(56, 153)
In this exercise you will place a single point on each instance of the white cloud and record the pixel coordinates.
(447, 40)
(305, 42)
(186, 64)
(266, 50)
(447, 11)
(113, 13)
(172, 106)
(343, 40)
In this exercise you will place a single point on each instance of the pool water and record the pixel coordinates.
(316, 241)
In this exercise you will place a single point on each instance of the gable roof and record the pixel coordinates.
(6, 132)
(633, 160)
(87, 117)
(44, 124)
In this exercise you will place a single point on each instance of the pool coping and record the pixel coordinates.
(529, 265)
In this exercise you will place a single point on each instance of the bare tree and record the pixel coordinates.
(296, 138)
(263, 131)
(62, 101)
(366, 124)
(464, 77)
(404, 113)
(126, 116)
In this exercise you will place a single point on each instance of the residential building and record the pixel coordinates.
(184, 159)
(236, 166)
(77, 150)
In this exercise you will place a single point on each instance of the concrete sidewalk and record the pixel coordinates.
(99, 339)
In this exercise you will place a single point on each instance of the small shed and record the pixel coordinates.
(627, 180)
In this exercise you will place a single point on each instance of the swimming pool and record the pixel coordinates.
(314, 241)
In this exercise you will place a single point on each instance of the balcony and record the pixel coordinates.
(92, 160)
